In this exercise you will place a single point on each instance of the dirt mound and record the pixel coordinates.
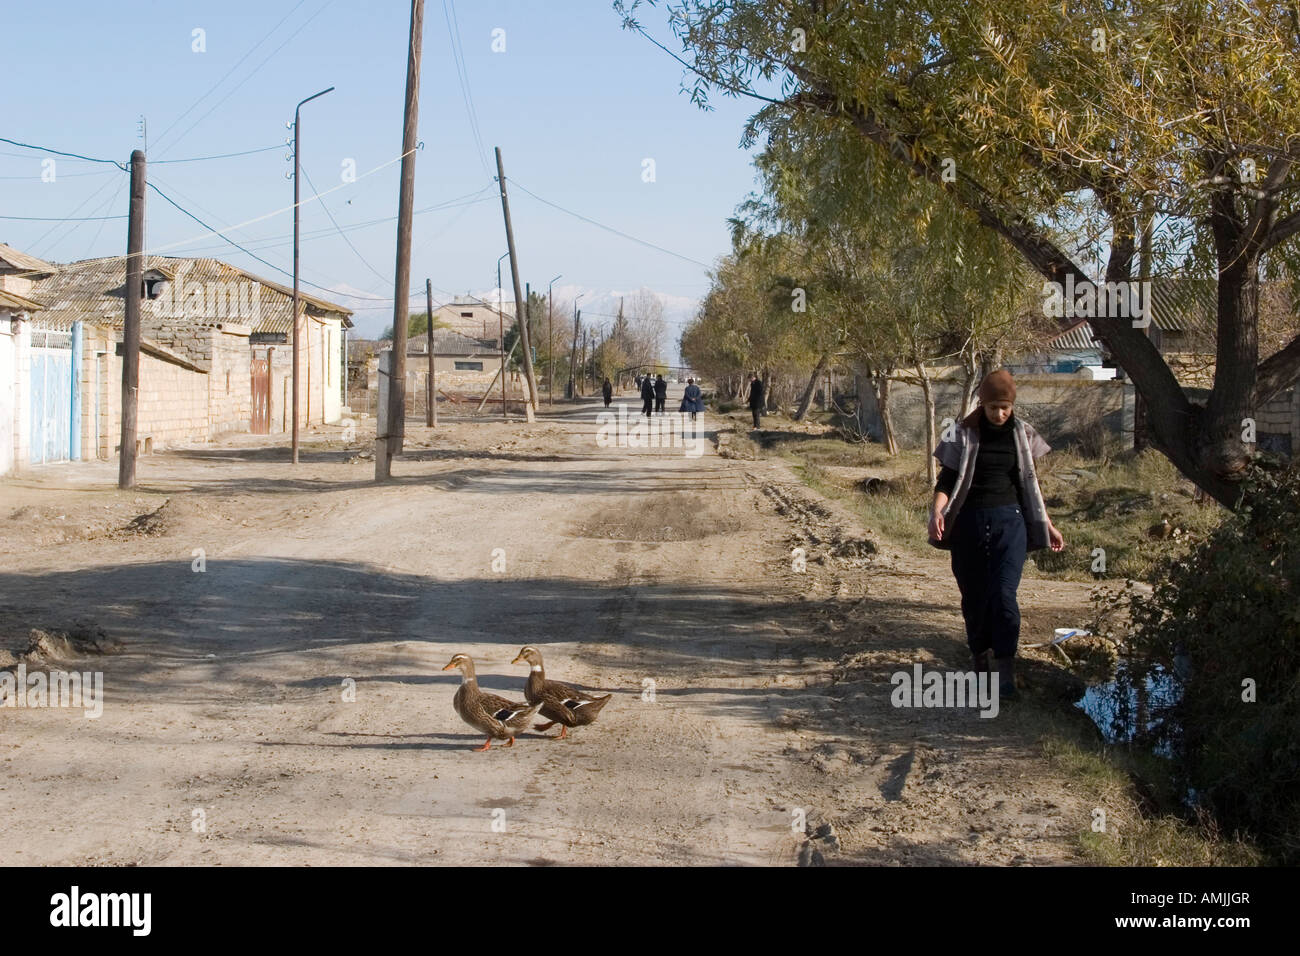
(165, 519)
(676, 517)
(82, 639)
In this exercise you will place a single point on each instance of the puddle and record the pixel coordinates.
(1122, 708)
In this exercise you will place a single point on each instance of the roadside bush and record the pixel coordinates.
(1224, 619)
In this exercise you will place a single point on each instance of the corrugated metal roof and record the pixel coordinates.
(9, 300)
(213, 291)
(1078, 337)
(21, 260)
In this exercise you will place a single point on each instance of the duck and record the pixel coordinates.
(495, 716)
(560, 703)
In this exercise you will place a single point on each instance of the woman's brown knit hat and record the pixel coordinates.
(998, 386)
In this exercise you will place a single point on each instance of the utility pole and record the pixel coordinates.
(550, 340)
(501, 333)
(573, 352)
(531, 404)
(297, 304)
(528, 321)
(402, 282)
(431, 404)
(131, 325)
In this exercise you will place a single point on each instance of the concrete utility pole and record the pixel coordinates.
(297, 304)
(392, 444)
(431, 404)
(531, 404)
(131, 324)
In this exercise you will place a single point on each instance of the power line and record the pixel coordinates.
(266, 36)
(252, 72)
(462, 74)
(59, 152)
(600, 225)
(203, 159)
(342, 235)
(61, 218)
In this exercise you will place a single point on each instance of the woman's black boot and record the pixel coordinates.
(1006, 678)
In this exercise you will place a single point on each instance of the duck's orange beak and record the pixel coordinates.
(519, 660)
(449, 666)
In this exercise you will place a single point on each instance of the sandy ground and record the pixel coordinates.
(751, 722)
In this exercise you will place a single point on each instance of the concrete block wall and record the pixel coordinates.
(230, 396)
(1059, 407)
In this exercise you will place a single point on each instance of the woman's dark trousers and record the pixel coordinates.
(988, 556)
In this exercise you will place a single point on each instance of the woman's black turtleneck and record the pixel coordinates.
(997, 473)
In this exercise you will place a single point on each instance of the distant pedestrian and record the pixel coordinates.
(988, 511)
(607, 390)
(692, 399)
(756, 400)
(661, 394)
(647, 396)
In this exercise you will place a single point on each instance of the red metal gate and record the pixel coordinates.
(261, 375)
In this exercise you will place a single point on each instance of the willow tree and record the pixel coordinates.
(1177, 118)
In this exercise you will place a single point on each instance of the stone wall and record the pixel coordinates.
(1063, 408)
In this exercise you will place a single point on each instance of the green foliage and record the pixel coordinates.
(417, 324)
(1225, 618)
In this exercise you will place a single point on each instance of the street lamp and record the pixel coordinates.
(297, 165)
(501, 323)
(550, 341)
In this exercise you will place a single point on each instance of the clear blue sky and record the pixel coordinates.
(575, 102)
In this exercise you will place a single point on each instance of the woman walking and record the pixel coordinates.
(988, 511)
(607, 391)
(692, 399)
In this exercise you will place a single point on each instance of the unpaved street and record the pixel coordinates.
(748, 696)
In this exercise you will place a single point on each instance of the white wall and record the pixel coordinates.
(7, 409)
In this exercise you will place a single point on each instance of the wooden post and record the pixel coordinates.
(383, 415)
(131, 326)
(520, 313)
(573, 355)
(501, 326)
(550, 346)
(402, 281)
(431, 383)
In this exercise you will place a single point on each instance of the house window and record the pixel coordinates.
(467, 315)
(153, 286)
(469, 366)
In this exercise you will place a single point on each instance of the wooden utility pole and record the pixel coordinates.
(573, 355)
(131, 325)
(1141, 437)
(520, 319)
(431, 383)
(402, 282)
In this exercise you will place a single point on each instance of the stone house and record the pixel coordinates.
(215, 356)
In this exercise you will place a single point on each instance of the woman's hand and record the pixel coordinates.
(1055, 538)
(936, 526)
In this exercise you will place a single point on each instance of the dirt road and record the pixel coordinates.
(751, 722)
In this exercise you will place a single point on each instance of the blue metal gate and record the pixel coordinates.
(51, 396)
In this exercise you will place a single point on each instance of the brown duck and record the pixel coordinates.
(493, 715)
(560, 703)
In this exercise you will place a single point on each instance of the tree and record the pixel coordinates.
(1060, 126)
(417, 324)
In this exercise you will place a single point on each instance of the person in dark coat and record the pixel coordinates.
(607, 390)
(989, 512)
(647, 396)
(756, 399)
(661, 394)
(692, 399)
